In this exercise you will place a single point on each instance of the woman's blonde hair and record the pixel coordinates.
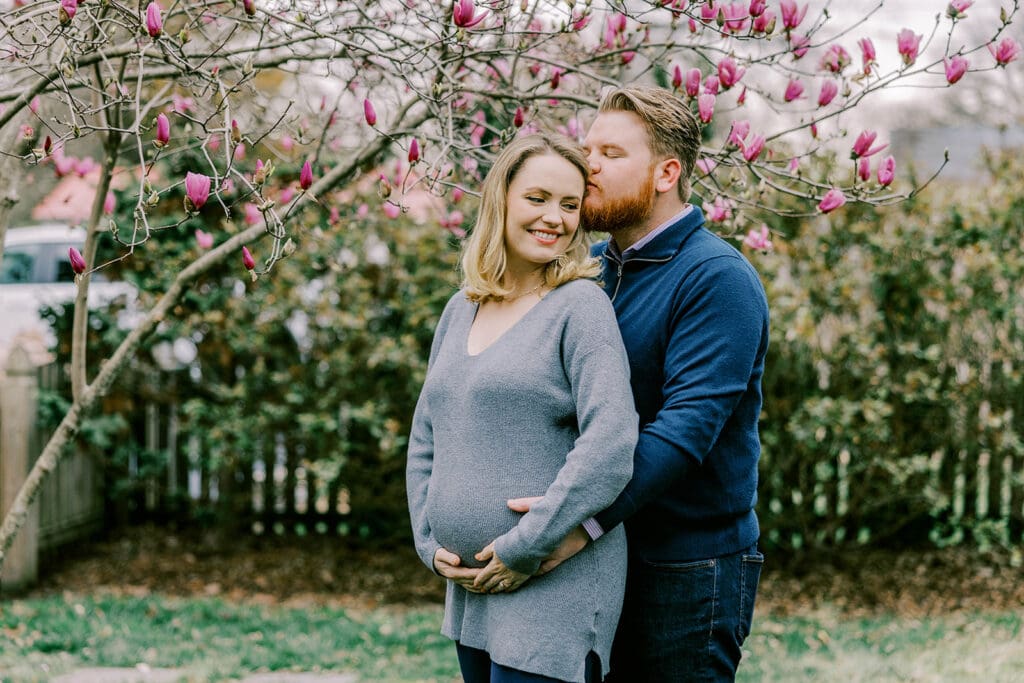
(484, 256)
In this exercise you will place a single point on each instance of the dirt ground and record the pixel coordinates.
(317, 570)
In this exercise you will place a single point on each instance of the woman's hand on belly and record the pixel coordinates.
(448, 564)
(496, 577)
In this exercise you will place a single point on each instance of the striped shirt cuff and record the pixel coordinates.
(593, 528)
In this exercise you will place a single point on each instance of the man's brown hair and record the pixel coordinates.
(672, 129)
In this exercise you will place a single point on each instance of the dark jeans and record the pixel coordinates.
(685, 621)
(477, 667)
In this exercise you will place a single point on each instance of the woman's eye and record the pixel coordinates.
(570, 207)
(535, 200)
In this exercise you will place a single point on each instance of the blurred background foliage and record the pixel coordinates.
(894, 405)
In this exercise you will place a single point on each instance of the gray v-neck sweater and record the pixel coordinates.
(546, 409)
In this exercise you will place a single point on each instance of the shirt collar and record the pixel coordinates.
(649, 237)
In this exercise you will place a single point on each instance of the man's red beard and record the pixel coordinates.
(623, 212)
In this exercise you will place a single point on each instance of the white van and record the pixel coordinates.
(35, 270)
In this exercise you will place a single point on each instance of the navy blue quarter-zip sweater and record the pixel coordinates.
(694, 319)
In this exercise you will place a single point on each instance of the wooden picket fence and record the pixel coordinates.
(276, 492)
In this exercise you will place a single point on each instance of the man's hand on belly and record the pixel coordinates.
(448, 565)
(573, 543)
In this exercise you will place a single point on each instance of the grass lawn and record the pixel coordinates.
(213, 640)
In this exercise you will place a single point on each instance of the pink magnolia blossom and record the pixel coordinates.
(457, 194)
(864, 168)
(757, 7)
(1005, 52)
(85, 166)
(204, 240)
(709, 11)
(163, 130)
(47, 144)
(556, 78)
(735, 16)
(33, 105)
(955, 68)
(759, 239)
(392, 210)
(27, 131)
(794, 89)
(956, 8)
(711, 84)
(464, 14)
(743, 96)
(835, 60)
(453, 223)
(252, 213)
(867, 54)
(862, 145)
(154, 20)
(627, 56)
(692, 24)
(182, 105)
(728, 73)
(369, 112)
(677, 77)
(67, 10)
(738, 132)
(62, 165)
(77, 262)
(706, 107)
(706, 165)
(720, 210)
(197, 190)
(693, 78)
(832, 200)
(886, 170)
(414, 151)
(800, 45)
(829, 89)
(306, 175)
(814, 130)
(753, 148)
(249, 7)
(908, 43)
(109, 203)
(791, 14)
(247, 260)
(518, 118)
(794, 165)
(287, 194)
(363, 211)
(764, 23)
(580, 22)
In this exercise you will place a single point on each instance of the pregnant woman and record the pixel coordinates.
(527, 394)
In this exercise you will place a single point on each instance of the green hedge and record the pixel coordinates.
(893, 399)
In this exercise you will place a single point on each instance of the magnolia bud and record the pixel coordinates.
(383, 187)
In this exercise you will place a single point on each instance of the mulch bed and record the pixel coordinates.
(317, 570)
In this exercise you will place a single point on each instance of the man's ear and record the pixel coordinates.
(666, 175)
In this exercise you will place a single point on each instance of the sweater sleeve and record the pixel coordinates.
(717, 330)
(600, 462)
(420, 457)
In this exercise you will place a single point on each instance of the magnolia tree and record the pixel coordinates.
(247, 110)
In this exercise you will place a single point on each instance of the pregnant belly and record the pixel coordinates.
(464, 521)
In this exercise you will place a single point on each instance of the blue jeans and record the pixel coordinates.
(477, 667)
(685, 621)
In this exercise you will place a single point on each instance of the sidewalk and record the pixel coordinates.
(147, 675)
